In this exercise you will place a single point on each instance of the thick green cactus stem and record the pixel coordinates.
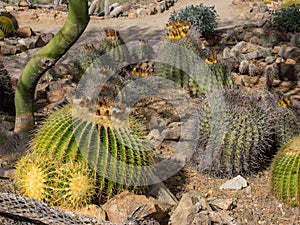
(285, 173)
(243, 146)
(75, 24)
(117, 157)
(8, 24)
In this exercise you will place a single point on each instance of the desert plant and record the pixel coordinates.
(203, 18)
(106, 150)
(244, 66)
(114, 46)
(8, 24)
(288, 18)
(285, 170)
(235, 140)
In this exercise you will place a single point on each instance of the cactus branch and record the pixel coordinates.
(74, 26)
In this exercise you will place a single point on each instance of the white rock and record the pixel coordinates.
(235, 183)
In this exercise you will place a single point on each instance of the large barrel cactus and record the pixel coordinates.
(235, 137)
(285, 173)
(106, 153)
(8, 24)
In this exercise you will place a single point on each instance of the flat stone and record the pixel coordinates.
(235, 183)
(224, 204)
(120, 207)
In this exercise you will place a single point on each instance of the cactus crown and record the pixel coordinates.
(178, 29)
(285, 102)
(8, 24)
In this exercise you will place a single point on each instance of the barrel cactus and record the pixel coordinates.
(113, 45)
(235, 140)
(8, 24)
(106, 153)
(285, 172)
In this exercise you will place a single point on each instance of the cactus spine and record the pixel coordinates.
(8, 24)
(114, 158)
(285, 173)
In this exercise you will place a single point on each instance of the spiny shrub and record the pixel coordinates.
(8, 24)
(203, 18)
(235, 134)
(111, 157)
(285, 173)
(288, 18)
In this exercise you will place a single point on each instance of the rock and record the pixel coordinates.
(8, 49)
(141, 12)
(187, 208)
(120, 207)
(224, 204)
(155, 137)
(43, 39)
(56, 92)
(116, 11)
(93, 211)
(269, 59)
(24, 32)
(160, 192)
(29, 43)
(235, 183)
(132, 15)
(9, 8)
(285, 51)
(290, 61)
(287, 72)
(220, 218)
(173, 131)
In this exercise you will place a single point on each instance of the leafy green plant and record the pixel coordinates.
(203, 18)
(288, 18)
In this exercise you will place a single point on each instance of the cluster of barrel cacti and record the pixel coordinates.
(74, 160)
(237, 136)
(8, 25)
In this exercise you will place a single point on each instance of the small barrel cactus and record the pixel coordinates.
(285, 170)
(252, 69)
(236, 140)
(114, 46)
(8, 24)
(110, 156)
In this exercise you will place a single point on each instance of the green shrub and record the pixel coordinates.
(288, 18)
(203, 18)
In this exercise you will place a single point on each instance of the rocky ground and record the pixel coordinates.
(252, 204)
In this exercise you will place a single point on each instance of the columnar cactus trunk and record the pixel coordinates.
(74, 26)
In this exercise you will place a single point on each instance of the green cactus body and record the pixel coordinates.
(285, 173)
(242, 146)
(8, 24)
(116, 157)
(222, 75)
